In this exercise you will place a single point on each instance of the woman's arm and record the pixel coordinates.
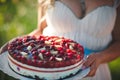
(41, 24)
(109, 54)
(114, 50)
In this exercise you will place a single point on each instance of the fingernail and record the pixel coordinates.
(83, 67)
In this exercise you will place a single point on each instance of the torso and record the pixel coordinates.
(96, 26)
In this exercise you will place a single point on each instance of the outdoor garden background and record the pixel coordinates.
(19, 17)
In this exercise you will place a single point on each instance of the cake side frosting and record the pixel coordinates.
(45, 73)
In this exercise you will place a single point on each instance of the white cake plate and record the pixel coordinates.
(6, 69)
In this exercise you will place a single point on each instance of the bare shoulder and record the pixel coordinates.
(116, 30)
(93, 4)
(90, 5)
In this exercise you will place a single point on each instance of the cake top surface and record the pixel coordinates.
(46, 51)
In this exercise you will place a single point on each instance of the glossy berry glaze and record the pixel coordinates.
(46, 51)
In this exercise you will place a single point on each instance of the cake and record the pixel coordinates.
(46, 57)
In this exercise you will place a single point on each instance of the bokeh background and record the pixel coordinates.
(19, 17)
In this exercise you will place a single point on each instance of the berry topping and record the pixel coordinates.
(47, 42)
(52, 58)
(54, 52)
(24, 54)
(58, 59)
(41, 56)
(29, 47)
(46, 51)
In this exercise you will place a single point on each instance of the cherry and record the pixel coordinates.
(39, 63)
(35, 57)
(18, 47)
(9, 47)
(41, 41)
(14, 55)
(24, 40)
(19, 58)
(48, 54)
(78, 57)
(59, 48)
(61, 52)
(70, 54)
(34, 62)
(23, 59)
(67, 45)
(41, 37)
(43, 51)
(68, 50)
(29, 62)
(32, 44)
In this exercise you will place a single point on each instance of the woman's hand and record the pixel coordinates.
(35, 33)
(93, 61)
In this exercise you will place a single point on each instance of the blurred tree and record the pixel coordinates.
(17, 17)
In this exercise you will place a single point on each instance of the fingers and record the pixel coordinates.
(3, 48)
(93, 63)
(90, 59)
(93, 69)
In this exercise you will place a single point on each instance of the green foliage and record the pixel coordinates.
(114, 67)
(17, 17)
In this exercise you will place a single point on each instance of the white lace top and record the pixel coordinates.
(93, 31)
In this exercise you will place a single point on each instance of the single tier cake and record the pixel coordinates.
(46, 57)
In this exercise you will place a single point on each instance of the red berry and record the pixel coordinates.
(39, 63)
(62, 52)
(67, 63)
(9, 47)
(67, 45)
(78, 57)
(41, 36)
(81, 49)
(59, 48)
(34, 52)
(23, 59)
(19, 58)
(70, 54)
(29, 62)
(18, 47)
(32, 44)
(68, 50)
(24, 39)
(35, 57)
(57, 65)
(34, 62)
(43, 51)
(47, 53)
(15, 55)
(69, 57)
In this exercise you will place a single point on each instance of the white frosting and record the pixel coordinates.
(47, 73)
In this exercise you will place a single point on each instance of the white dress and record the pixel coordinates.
(93, 31)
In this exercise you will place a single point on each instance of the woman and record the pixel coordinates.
(89, 22)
